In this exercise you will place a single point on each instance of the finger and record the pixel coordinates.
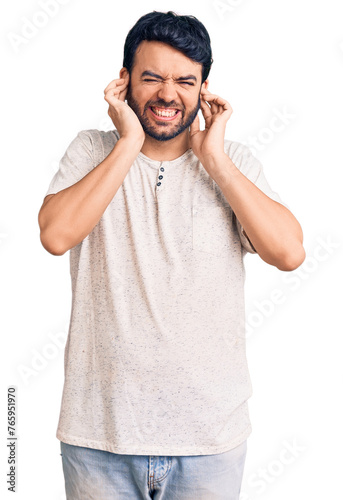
(213, 106)
(227, 109)
(123, 79)
(222, 104)
(215, 98)
(114, 83)
(119, 82)
(206, 108)
(113, 93)
(210, 100)
(123, 93)
(211, 96)
(207, 113)
(115, 87)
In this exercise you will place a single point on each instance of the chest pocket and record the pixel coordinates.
(213, 231)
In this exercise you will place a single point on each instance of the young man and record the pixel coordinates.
(158, 215)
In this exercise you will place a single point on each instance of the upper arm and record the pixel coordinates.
(78, 160)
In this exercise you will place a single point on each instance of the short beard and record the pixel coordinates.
(150, 129)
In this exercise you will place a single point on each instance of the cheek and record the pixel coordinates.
(192, 102)
(143, 95)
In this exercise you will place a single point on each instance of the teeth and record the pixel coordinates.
(164, 113)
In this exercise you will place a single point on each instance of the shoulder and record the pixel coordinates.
(236, 148)
(242, 156)
(107, 136)
(99, 142)
(96, 136)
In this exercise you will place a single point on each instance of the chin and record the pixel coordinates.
(161, 138)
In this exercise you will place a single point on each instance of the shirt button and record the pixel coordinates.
(162, 169)
(158, 183)
(160, 176)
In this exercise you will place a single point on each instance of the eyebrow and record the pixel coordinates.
(150, 73)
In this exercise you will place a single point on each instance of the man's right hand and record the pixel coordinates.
(123, 117)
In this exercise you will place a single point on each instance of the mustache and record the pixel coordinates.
(163, 104)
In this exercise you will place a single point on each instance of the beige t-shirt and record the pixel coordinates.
(155, 360)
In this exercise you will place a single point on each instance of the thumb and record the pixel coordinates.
(122, 95)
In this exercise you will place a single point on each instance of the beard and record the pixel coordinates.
(155, 130)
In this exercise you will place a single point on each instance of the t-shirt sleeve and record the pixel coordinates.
(77, 161)
(252, 168)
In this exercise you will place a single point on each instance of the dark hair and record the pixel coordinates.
(185, 33)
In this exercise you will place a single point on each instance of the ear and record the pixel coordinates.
(123, 73)
(205, 85)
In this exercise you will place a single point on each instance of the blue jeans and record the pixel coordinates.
(92, 474)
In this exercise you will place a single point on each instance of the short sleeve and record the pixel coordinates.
(77, 161)
(252, 168)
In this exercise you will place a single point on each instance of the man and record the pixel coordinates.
(158, 215)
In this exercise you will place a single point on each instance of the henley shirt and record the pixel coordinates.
(155, 358)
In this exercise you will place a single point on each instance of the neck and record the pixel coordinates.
(166, 150)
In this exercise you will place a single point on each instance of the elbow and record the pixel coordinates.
(51, 246)
(292, 260)
(48, 239)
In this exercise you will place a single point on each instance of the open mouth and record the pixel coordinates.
(165, 114)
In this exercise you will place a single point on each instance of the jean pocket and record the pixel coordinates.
(212, 229)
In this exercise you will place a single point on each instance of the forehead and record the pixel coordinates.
(164, 60)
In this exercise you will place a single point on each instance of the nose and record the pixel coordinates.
(167, 91)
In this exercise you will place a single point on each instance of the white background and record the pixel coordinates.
(271, 58)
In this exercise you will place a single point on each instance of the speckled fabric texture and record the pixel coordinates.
(155, 360)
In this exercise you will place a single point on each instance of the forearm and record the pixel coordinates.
(71, 214)
(272, 229)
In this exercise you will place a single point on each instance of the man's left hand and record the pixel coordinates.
(209, 143)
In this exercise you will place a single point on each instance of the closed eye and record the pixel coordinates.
(150, 80)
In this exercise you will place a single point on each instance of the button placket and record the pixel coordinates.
(160, 177)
